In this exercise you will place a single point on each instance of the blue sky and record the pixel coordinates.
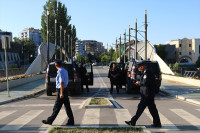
(104, 20)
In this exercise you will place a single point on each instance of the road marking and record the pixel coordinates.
(188, 117)
(122, 115)
(166, 123)
(62, 116)
(23, 120)
(37, 105)
(3, 114)
(91, 118)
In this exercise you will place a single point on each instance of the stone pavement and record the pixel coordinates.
(22, 91)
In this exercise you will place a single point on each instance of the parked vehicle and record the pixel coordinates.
(122, 75)
(74, 85)
(133, 75)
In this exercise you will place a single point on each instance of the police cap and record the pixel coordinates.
(140, 63)
(58, 61)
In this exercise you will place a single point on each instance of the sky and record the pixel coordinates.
(105, 20)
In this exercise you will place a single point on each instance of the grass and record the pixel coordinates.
(97, 130)
(98, 101)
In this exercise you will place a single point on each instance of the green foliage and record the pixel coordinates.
(57, 11)
(160, 50)
(176, 66)
(198, 62)
(13, 66)
(80, 59)
(105, 59)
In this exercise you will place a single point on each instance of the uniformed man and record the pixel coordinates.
(84, 78)
(147, 89)
(114, 78)
(62, 95)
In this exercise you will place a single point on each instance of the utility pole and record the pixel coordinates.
(125, 46)
(68, 48)
(65, 45)
(145, 35)
(120, 48)
(107, 47)
(135, 52)
(47, 37)
(116, 49)
(129, 45)
(61, 42)
(55, 38)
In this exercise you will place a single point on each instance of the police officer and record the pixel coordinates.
(62, 95)
(114, 77)
(147, 85)
(84, 78)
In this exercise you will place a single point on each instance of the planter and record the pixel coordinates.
(87, 105)
(18, 82)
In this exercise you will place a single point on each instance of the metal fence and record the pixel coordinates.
(12, 72)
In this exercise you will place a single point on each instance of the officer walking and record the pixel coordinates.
(84, 78)
(62, 95)
(114, 77)
(147, 89)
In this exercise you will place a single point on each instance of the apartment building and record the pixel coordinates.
(187, 50)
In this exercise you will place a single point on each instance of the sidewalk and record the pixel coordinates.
(23, 91)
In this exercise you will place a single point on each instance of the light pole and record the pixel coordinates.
(125, 46)
(116, 49)
(61, 42)
(55, 39)
(65, 44)
(120, 48)
(145, 41)
(68, 48)
(135, 53)
(47, 37)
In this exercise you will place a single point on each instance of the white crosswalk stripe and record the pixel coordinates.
(91, 118)
(22, 120)
(166, 124)
(3, 114)
(193, 120)
(122, 115)
(37, 105)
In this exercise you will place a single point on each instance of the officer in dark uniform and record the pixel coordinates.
(84, 78)
(62, 95)
(114, 77)
(147, 89)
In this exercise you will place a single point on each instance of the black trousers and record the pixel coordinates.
(58, 104)
(84, 81)
(147, 102)
(112, 84)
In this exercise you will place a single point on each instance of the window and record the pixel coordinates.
(179, 53)
(179, 45)
(190, 45)
(190, 53)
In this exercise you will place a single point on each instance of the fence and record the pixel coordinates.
(12, 72)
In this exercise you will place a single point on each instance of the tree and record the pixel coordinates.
(176, 66)
(160, 50)
(57, 11)
(80, 58)
(198, 62)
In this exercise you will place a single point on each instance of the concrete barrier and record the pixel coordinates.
(18, 82)
(185, 80)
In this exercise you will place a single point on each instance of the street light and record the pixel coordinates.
(47, 37)
(55, 39)
(61, 42)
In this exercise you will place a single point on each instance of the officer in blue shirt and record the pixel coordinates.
(62, 95)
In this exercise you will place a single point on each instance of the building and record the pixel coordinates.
(5, 33)
(85, 47)
(187, 50)
(33, 34)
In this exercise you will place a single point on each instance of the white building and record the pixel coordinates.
(5, 33)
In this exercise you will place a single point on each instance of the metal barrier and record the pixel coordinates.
(190, 74)
(13, 72)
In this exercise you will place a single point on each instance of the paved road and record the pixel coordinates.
(26, 115)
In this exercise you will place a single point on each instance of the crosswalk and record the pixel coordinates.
(92, 117)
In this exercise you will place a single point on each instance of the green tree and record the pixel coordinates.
(87, 60)
(105, 59)
(57, 11)
(80, 59)
(198, 62)
(160, 50)
(176, 66)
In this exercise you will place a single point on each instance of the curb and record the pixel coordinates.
(181, 97)
(23, 97)
(143, 127)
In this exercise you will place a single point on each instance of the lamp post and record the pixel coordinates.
(68, 48)
(145, 41)
(120, 48)
(55, 39)
(135, 53)
(116, 49)
(61, 42)
(47, 37)
(65, 44)
(125, 46)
